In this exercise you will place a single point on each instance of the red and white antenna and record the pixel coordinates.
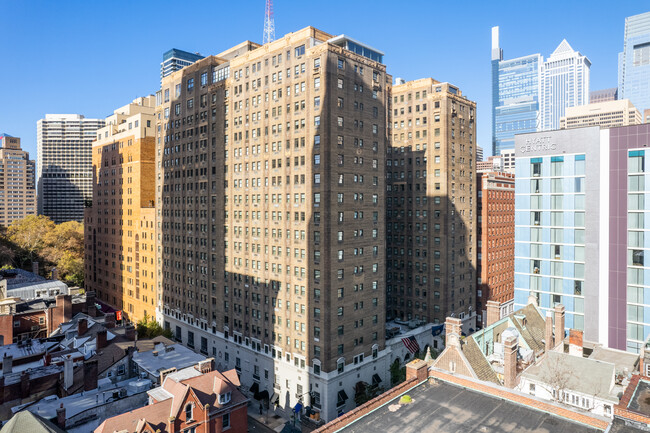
(269, 23)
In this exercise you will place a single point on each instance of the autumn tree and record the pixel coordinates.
(29, 234)
(64, 248)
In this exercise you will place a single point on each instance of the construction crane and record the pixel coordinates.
(269, 23)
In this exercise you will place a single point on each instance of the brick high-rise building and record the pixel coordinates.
(431, 207)
(64, 170)
(17, 186)
(496, 242)
(120, 224)
(272, 217)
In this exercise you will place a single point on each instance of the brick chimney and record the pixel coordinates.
(25, 385)
(510, 362)
(109, 320)
(417, 369)
(60, 416)
(559, 324)
(171, 423)
(493, 312)
(575, 342)
(35, 267)
(7, 364)
(82, 326)
(129, 332)
(101, 339)
(55, 274)
(68, 372)
(91, 308)
(548, 332)
(452, 326)
(90, 374)
(64, 307)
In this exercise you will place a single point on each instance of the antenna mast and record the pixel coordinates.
(269, 23)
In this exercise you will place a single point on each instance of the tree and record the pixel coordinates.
(150, 329)
(29, 233)
(64, 248)
(397, 373)
(557, 375)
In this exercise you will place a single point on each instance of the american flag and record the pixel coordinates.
(411, 344)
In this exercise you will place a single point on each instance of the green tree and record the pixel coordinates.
(397, 373)
(29, 234)
(150, 329)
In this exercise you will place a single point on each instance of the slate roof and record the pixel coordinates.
(479, 362)
(26, 421)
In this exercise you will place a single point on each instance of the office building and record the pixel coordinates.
(120, 221)
(271, 207)
(64, 169)
(493, 163)
(175, 60)
(496, 243)
(564, 82)
(479, 153)
(515, 96)
(634, 62)
(579, 221)
(604, 114)
(603, 95)
(431, 207)
(508, 161)
(17, 185)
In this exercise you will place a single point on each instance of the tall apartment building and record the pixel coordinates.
(272, 217)
(17, 186)
(580, 221)
(496, 242)
(175, 60)
(431, 207)
(64, 170)
(604, 114)
(515, 96)
(603, 95)
(564, 82)
(479, 153)
(119, 225)
(634, 62)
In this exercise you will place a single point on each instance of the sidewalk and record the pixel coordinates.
(269, 418)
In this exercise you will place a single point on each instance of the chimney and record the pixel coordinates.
(25, 385)
(548, 332)
(55, 274)
(129, 332)
(493, 312)
(109, 320)
(205, 366)
(48, 359)
(575, 342)
(532, 300)
(559, 324)
(82, 326)
(171, 422)
(91, 308)
(7, 364)
(417, 369)
(452, 327)
(2, 390)
(510, 362)
(35, 267)
(165, 373)
(90, 374)
(101, 339)
(60, 416)
(68, 373)
(64, 305)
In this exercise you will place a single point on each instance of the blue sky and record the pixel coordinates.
(90, 57)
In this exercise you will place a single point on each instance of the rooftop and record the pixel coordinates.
(28, 422)
(166, 356)
(446, 408)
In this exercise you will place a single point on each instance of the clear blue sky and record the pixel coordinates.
(90, 57)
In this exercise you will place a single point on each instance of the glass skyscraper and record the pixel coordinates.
(634, 62)
(515, 96)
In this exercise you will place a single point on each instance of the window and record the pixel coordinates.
(299, 51)
(188, 412)
(190, 84)
(225, 421)
(340, 364)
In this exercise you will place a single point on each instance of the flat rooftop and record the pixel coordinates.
(446, 408)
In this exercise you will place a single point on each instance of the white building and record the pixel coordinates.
(564, 83)
(64, 165)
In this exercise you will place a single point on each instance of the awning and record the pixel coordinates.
(255, 388)
(297, 408)
(342, 396)
(376, 380)
(274, 398)
(264, 395)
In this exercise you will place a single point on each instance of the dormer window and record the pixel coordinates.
(225, 398)
(188, 412)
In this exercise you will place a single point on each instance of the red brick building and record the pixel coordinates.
(496, 243)
(188, 401)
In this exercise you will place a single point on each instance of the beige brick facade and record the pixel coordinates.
(17, 186)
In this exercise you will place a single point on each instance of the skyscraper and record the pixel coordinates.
(120, 223)
(564, 83)
(431, 204)
(64, 170)
(17, 186)
(634, 62)
(175, 60)
(271, 206)
(580, 216)
(515, 96)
